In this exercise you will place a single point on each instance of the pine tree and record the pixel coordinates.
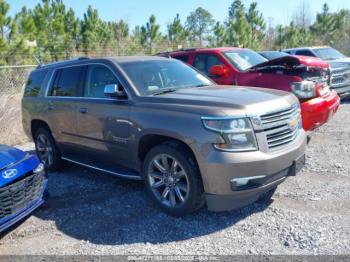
(199, 23)
(176, 32)
(150, 33)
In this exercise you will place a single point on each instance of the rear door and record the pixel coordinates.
(103, 123)
(62, 107)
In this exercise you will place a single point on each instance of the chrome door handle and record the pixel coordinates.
(83, 110)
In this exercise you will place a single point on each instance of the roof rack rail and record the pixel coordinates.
(83, 58)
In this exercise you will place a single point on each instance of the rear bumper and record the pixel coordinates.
(318, 111)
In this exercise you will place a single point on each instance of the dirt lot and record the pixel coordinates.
(91, 213)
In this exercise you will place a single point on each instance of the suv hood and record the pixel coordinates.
(10, 155)
(222, 100)
(292, 61)
(337, 63)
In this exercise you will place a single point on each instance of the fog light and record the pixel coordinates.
(39, 169)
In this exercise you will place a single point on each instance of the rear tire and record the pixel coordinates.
(47, 150)
(172, 179)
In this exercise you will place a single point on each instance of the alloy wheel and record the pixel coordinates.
(168, 180)
(44, 150)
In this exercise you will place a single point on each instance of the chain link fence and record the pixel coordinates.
(12, 82)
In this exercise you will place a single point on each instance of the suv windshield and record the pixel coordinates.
(328, 53)
(158, 76)
(244, 59)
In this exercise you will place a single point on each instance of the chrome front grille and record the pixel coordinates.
(340, 77)
(281, 127)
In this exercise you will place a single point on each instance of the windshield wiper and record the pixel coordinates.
(170, 90)
(201, 85)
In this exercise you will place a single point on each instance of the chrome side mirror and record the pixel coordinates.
(113, 90)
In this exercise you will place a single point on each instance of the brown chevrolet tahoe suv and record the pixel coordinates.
(157, 119)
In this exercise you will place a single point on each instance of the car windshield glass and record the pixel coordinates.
(244, 59)
(158, 76)
(328, 53)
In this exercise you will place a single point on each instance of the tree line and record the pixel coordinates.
(51, 31)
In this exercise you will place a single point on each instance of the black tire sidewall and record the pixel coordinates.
(195, 183)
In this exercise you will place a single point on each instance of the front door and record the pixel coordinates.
(203, 62)
(103, 123)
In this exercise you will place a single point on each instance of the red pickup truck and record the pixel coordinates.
(308, 78)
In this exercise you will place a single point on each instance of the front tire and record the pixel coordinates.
(266, 198)
(172, 179)
(47, 150)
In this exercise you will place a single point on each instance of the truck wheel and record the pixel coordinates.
(47, 150)
(265, 198)
(172, 179)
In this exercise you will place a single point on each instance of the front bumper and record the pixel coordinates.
(251, 192)
(19, 199)
(318, 111)
(342, 91)
(11, 220)
(220, 169)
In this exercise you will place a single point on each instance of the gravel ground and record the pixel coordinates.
(92, 213)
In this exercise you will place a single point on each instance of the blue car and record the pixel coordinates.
(23, 182)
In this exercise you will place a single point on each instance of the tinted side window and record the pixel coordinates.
(204, 62)
(183, 58)
(67, 81)
(35, 83)
(304, 52)
(97, 77)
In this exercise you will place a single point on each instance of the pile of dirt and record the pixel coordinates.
(11, 130)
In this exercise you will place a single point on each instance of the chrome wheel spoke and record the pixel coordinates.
(172, 198)
(179, 194)
(174, 166)
(158, 184)
(159, 166)
(156, 175)
(165, 162)
(180, 174)
(182, 187)
(165, 193)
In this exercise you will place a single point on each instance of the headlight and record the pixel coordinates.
(39, 169)
(304, 89)
(237, 133)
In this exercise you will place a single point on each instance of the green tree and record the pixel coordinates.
(150, 33)
(5, 21)
(72, 38)
(219, 32)
(96, 34)
(257, 25)
(325, 26)
(238, 28)
(199, 24)
(176, 32)
(121, 32)
(245, 28)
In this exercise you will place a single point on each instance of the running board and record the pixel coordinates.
(118, 174)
